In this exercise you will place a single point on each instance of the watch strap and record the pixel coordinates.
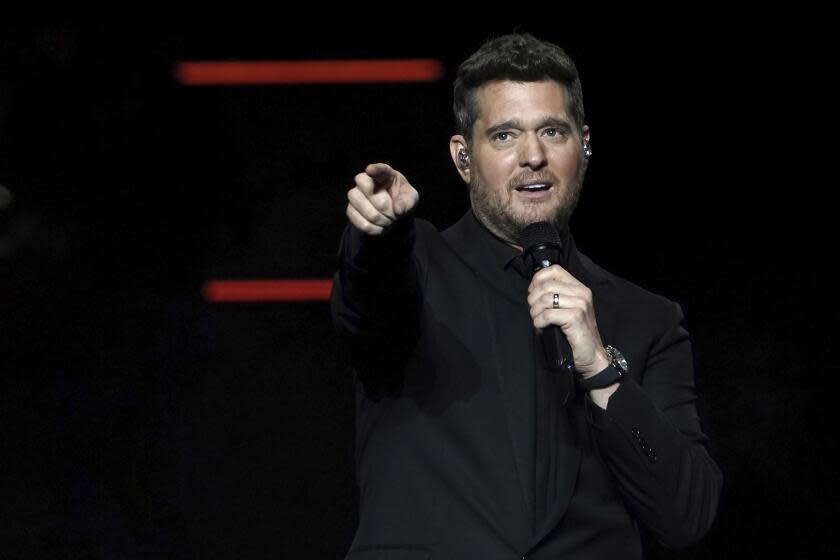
(603, 378)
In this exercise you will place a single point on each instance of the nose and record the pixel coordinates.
(532, 152)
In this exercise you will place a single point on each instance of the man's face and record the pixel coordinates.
(524, 135)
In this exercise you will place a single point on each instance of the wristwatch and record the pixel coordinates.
(614, 373)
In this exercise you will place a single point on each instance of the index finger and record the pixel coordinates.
(553, 272)
(381, 173)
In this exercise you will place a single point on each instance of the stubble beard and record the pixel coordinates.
(494, 209)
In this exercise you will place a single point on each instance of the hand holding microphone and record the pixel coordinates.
(561, 306)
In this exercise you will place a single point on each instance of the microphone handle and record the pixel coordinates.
(558, 353)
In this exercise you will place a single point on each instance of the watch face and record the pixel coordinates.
(618, 359)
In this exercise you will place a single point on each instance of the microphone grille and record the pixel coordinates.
(538, 233)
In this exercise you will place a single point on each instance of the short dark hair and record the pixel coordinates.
(518, 57)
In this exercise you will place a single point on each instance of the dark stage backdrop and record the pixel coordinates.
(140, 420)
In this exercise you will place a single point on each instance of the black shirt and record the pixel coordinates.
(531, 387)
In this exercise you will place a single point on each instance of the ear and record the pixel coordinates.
(456, 144)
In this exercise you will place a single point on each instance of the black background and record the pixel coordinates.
(141, 421)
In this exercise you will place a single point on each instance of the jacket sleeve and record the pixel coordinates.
(651, 441)
(375, 299)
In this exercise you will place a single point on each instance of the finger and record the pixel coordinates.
(381, 173)
(545, 276)
(555, 273)
(552, 286)
(365, 183)
(380, 198)
(362, 224)
(383, 202)
(562, 318)
(536, 292)
(366, 209)
(545, 300)
(563, 284)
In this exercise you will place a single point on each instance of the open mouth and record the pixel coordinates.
(537, 190)
(534, 188)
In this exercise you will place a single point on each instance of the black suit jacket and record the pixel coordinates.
(438, 459)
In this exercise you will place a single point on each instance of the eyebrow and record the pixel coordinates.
(515, 123)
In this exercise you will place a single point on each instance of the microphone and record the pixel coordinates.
(542, 248)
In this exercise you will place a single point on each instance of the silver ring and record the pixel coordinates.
(556, 301)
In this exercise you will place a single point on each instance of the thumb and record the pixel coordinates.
(405, 201)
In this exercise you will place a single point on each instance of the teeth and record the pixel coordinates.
(533, 187)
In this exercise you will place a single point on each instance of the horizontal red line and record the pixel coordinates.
(206, 73)
(267, 290)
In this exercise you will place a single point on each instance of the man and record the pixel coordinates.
(468, 443)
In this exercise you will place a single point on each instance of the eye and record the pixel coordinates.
(553, 132)
(504, 135)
